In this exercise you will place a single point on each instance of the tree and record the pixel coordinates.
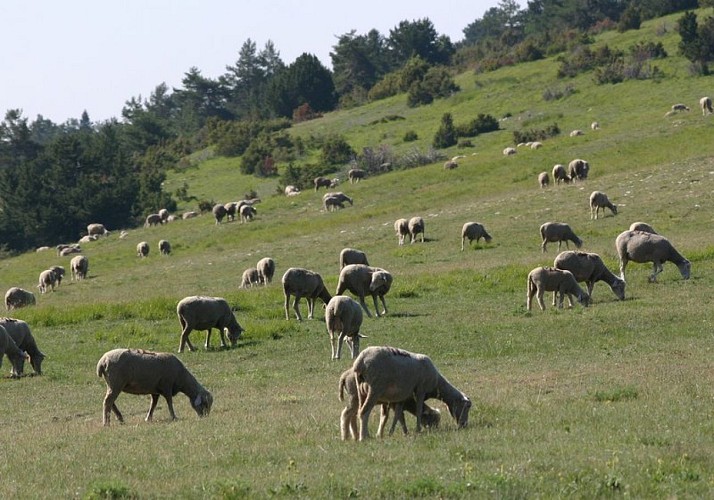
(358, 61)
(418, 38)
(697, 41)
(199, 99)
(446, 135)
(305, 81)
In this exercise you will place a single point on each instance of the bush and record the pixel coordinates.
(479, 125)
(375, 161)
(446, 135)
(336, 150)
(417, 158)
(532, 135)
(631, 19)
(386, 87)
(552, 94)
(410, 136)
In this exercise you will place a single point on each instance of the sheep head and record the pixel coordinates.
(202, 403)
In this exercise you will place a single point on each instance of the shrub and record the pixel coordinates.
(206, 205)
(555, 93)
(304, 113)
(386, 87)
(336, 150)
(375, 160)
(479, 125)
(531, 135)
(417, 158)
(631, 19)
(410, 136)
(446, 135)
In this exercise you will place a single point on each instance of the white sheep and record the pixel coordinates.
(352, 256)
(189, 215)
(142, 249)
(509, 151)
(416, 227)
(558, 231)
(70, 250)
(642, 226)
(21, 334)
(595, 125)
(450, 165)
(231, 208)
(300, 283)
(331, 203)
(42, 249)
(337, 198)
(219, 212)
(17, 297)
(355, 175)
(164, 247)
(536, 145)
(47, 280)
(589, 267)
(543, 179)
(291, 190)
(16, 355)
(155, 373)
(266, 270)
(578, 169)
(430, 417)
(576, 133)
(247, 213)
(97, 230)
(65, 246)
(706, 104)
(164, 214)
(548, 279)
(79, 266)
(599, 200)
(205, 313)
(343, 319)
(389, 375)
(639, 246)
(88, 238)
(473, 231)
(250, 277)
(153, 220)
(362, 280)
(680, 107)
(560, 174)
(401, 226)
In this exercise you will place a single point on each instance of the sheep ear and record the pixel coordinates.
(197, 401)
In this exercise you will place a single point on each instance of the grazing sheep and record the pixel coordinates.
(79, 266)
(680, 107)
(416, 226)
(20, 333)
(509, 151)
(536, 145)
(548, 279)
(291, 190)
(303, 283)
(558, 231)
(388, 375)
(247, 212)
(47, 280)
(578, 170)
(450, 165)
(266, 270)
(205, 313)
(219, 212)
(59, 273)
(189, 215)
(231, 207)
(164, 214)
(576, 133)
(706, 104)
(250, 278)
(331, 203)
(560, 174)
(401, 226)
(97, 230)
(142, 249)
(638, 246)
(343, 318)
(430, 417)
(339, 195)
(642, 226)
(136, 371)
(589, 267)
(599, 200)
(164, 247)
(356, 175)
(473, 231)
(321, 182)
(352, 256)
(153, 220)
(595, 126)
(16, 355)
(16, 297)
(362, 280)
(543, 179)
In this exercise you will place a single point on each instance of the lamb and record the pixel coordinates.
(79, 266)
(343, 318)
(416, 226)
(250, 278)
(352, 256)
(321, 182)
(136, 371)
(20, 333)
(680, 107)
(362, 280)
(97, 230)
(356, 175)
(153, 220)
(247, 212)
(558, 231)
(266, 270)
(16, 355)
(559, 174)
(219, 212)
(578, 170)
(509, 151)
(303, 283)
(205, 313)
(430, 417)
(706, 104)
(16, 297)
(589, 267)
(388, 375)
(47, 280)
(543, 179)
(548, 279)
(642, 226)
(401, 226)
(639, 246)
(164, 247)
(142, 249)
(473, 231)
(599, 200)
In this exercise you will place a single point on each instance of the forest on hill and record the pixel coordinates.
(57, 178)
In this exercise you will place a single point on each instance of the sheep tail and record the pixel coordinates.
(101, 370)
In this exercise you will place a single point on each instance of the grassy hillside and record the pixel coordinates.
(600, 401)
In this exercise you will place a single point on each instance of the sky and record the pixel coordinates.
(60, 58)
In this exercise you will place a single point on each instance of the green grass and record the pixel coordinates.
(610, 400)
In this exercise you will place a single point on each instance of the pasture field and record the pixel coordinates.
(614, 399)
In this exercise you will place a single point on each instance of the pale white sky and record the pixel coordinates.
(60, 57)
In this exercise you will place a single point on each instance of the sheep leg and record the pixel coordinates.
(376, 306)
(170, 403)
(398, 417)
(208, 339)
(656, 269)
(348, 423)
(419, 396)
(287, 306)
(109, 405)
(296, 308)
(623, 265)
(383, 417)
(539, 298)
(337, 349)
(364, 306)
(152, 407)
(381, 297)
(543, 245)
(184, 340)
(365, 408)
(555, 295)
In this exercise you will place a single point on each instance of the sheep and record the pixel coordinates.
(450, 165)
(219, 212)
(79, 266)
(164, 247)
(595, 125)
(548, 279)
(47, 280)
(473, 231)
(343, 319)
(164, 214)
(706, 104)
(642, 226)
(250, 277)
(599, 200)
(205, 313)
(680, 107)
(153, 220)
(388, 375)
(536, 145)
(16, 297)
(231, 210)
(303, 283)
(339, 195)
(266, 270)
(16, 355)
(576, 133)
(560, 174)
(189, 215)
(136, 371)
(639, 246)
(416, 226)
(362, 280)
(70, 250)
(59, 273)
(321, 182)
(20, 333)
(291, 190)
(331, 203)
(123, 235)
(578, 170)
(543, 179)
(355, 175)
(558, 231)
(97, 230)
(352, 256)
(589, 267)
(430, 417)
(401, 226)
(42, 249)
(142, 249)
(509, 151)
(64, 246)
(247, 212)
(88, 238)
